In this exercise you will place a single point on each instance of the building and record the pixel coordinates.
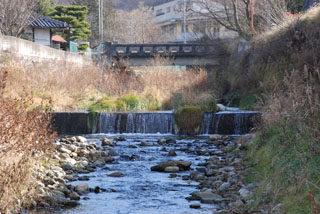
(170, 16)
(40, 30)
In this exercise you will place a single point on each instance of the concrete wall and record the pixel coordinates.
(39, 53)
(42, 36)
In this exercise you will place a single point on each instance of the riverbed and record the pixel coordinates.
(140, 190)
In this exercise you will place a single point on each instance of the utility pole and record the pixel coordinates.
(101, 20)
(131, 31)
(268, 15)
(184, 22)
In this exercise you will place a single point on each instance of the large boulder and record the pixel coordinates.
(183, 165)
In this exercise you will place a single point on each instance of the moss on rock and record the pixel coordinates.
(188, 119)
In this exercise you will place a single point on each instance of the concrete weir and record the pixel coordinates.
(80, 123)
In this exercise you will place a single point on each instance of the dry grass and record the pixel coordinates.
(65, 86)
(74, 88)
(24, 139)
(286, 156)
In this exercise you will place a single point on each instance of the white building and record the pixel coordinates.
(170, 16)
(40, 30)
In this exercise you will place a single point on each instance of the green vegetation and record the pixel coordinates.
(206, 101)
(188, 119)
(83, 47)
(285, 158)
(128, 102)
(74, 15)
(247, 102)
(287, 168)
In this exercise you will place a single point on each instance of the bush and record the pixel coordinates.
(83, 47)
(188, 119)
(104, 104)
(286, 157)
(206, 101)
(24, 138)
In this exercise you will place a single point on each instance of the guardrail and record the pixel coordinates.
(143, 50)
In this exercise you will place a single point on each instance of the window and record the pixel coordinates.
(159, 12)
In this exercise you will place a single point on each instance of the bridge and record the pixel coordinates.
(176, 54)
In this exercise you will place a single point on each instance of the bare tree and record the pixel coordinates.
(243, 16)
(137, 26)
(15, 15)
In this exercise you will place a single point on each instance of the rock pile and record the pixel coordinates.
(71, 157)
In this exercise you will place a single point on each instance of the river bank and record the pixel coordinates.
(116, 174)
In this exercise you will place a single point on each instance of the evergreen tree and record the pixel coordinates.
(109, 21)
(74, 15)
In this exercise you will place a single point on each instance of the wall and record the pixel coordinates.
(37, 53)
(42, 36)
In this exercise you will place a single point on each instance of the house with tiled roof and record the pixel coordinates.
(40, 30)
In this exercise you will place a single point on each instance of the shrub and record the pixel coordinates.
(104, 104)
(24, 139)
(83, 47)
(132, 102)
(188, 119)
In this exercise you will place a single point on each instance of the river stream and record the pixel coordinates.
(141, 191)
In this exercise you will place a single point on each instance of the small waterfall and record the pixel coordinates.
(241, 123)
(217, 123)
(136, 122)
(229, 122)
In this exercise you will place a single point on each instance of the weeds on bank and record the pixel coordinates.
(78, 88)
(24, 139)
(286, 157)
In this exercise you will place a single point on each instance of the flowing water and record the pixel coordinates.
(142, 191)
(228, 122)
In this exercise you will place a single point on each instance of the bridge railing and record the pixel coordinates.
(143, 50)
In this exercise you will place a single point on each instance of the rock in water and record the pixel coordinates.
(195, 206)
(116, 174)
(207, 197)
(171, 169)
(172, 153)
(74, 196)
(182, 165)
(215, 137)
(106, 142)
(82, 188)
(81, 139)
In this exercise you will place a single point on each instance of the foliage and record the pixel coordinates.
(75, 16)
(286, 156)
(105, 104)
(109, 19)
(127, 102)
(24, 138)
(83, 47)
(188, 119)
(45, 7)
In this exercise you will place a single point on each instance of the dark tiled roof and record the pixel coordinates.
(309, 3)
(46, 22)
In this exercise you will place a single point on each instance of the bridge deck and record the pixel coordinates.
(181, 54)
